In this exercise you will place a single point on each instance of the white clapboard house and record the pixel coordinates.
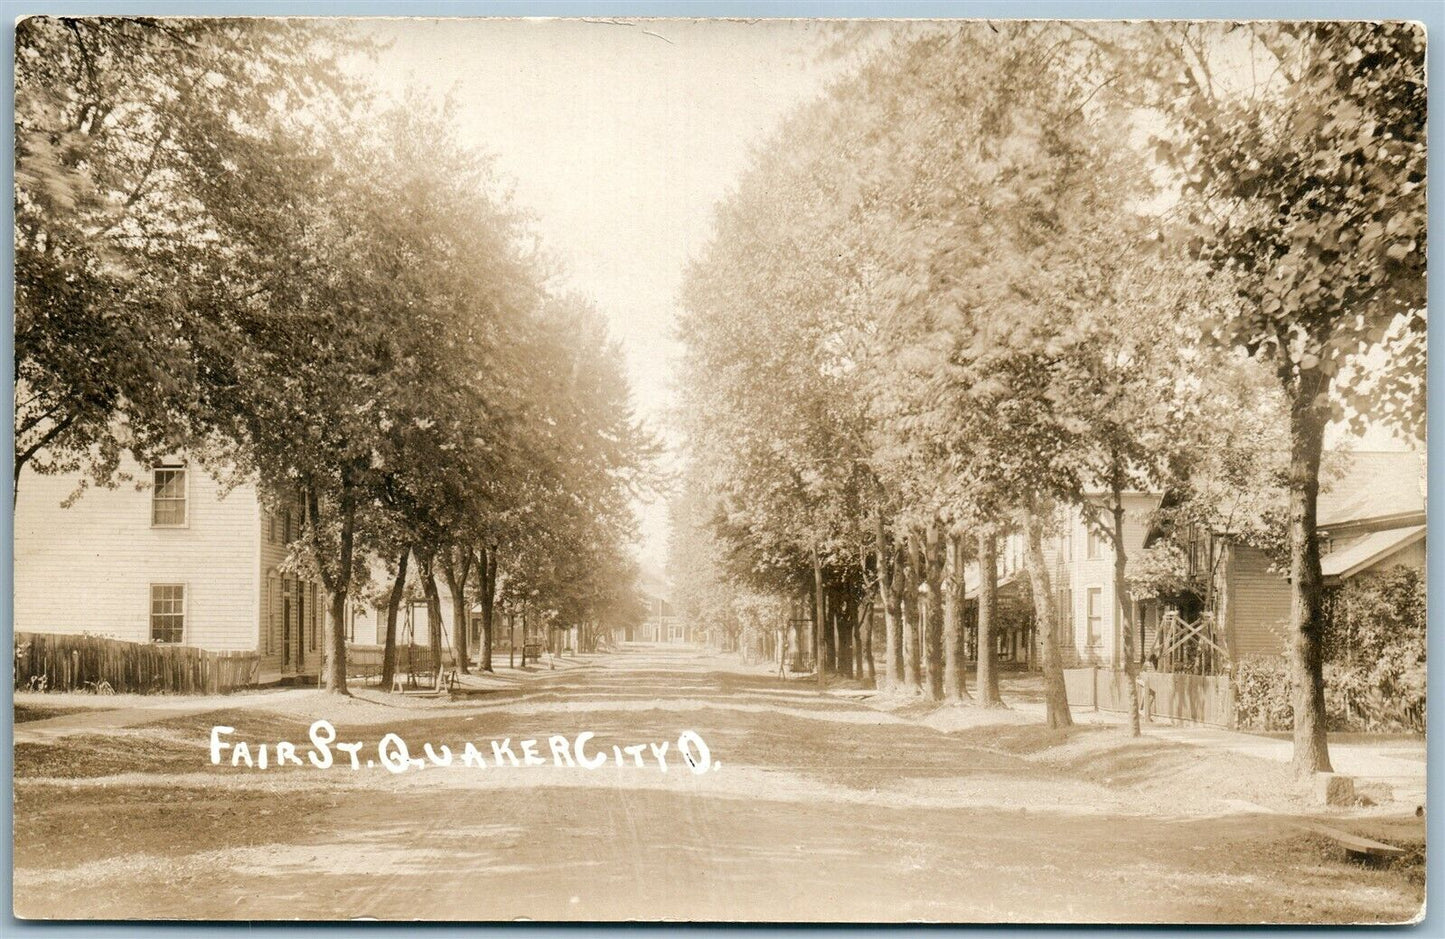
(173, 557)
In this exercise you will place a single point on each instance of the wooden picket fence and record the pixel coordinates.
(57, 662)
(1177, 696)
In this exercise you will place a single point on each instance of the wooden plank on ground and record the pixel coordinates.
(1355, 844)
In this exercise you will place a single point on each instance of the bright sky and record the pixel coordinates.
(620, 136)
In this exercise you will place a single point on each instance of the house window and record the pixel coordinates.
(1067, 538)
(271, 527)
(1094, 601)
(168, 612)
(1066, 608)
(286, 526)
(1092, 544)
(168, 497)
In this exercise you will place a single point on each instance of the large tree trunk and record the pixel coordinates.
(425, 561)
(932, 558)
(912, 659)
(819, 623)
(1056, 696)
(1126, 600)
(899, 580)
(457, 569)
(487, 575)
(855, 631)
(336, 661)
(1307, 428)
(888, 594)
(844, 625)
(955, 683)
(338, 581)
(800, 637)
(986, 678)
(393, 607)
(830, 629)
(869, 668)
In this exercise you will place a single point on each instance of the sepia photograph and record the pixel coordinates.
(798, 471)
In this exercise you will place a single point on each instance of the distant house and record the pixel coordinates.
(172, 558)
(1081, 574)
(1081, 563)
(176, 557)
(1013, 628)
(1371, 516)
(661, 624)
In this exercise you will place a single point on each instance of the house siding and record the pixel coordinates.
(1258, 606)
(307, 620)
(88, 568)
(1082, 573)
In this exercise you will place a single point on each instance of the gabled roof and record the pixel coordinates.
(1361, 485)
(1368, 551)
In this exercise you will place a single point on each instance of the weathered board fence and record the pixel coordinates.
(1180, 696)
(58, 662)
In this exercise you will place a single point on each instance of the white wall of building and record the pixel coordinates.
(1080, 572)
(89, 568)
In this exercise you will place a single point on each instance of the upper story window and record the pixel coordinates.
(1093, 544)
(168, 612)
(168, 497)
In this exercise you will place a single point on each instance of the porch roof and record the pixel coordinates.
(970, 581)
(1369, 550)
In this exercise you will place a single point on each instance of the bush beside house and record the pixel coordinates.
(1374, 661)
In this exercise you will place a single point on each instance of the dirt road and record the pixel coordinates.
(804, 807)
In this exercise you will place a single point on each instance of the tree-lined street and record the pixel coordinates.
(700, 470)
(823, 807)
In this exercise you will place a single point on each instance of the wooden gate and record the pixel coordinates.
(1196, 647)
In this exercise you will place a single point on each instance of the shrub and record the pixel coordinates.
(1377, 616)
(1261, 695)
(1355, 698)
(1374, 646)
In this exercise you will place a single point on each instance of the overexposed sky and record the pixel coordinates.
(620, 136)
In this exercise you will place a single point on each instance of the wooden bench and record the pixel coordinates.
(446, 679)
(531, 649)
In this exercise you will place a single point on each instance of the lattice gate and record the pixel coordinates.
(1196, 647)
